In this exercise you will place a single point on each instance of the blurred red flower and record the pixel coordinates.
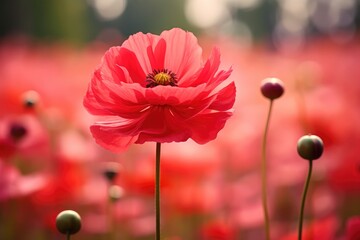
(13, 184)
(217, 230)
(157, 88)
(353, 228)
(23, 135)
(319, 229)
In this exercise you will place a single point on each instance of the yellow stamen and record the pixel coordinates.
(162, 78)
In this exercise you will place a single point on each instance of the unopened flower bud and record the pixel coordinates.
(30, 99)
(310, 147)
(68, 222)
(115, 193)
(111, 170)
(272, 88)
(17, 131)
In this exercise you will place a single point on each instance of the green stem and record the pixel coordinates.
(264, 175)
(306, 186)
(157, 191)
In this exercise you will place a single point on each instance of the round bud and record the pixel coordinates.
(111, 170)
(115, 193)
(30, 99)
(310, 147)
(17, 131)
(272, 88)
(68, 222)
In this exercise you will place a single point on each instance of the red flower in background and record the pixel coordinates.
(157, 88)
(353, 228)
(320, 229)
(217, 230)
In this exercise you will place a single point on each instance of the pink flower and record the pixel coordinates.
(15, 185)
(157, 88)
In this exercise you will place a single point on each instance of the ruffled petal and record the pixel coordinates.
(167, 95)
(225, 98)
(161, 126)
(91, 102)
(116, 134)
(126, 102)
(128, 60)
(205, 127)
(115, 60)
(157, 56)
(220, 80)
(110, 68)
(183, 102)
(183, 53)
(140, 44)
(207, 72)
(105, 97)
(92, 105)
(187, 111)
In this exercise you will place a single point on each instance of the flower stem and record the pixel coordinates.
(306, 186)
(68, 236)
(264, 175)
(157, 191)
(109, 208)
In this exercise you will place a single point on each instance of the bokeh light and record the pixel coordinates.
(206, 13)
(109, 9)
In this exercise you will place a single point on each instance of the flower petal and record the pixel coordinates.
(225, 98)
(124, 100)
(116, 134)
(109, 68)
(183, 54)
(183, 102)
(205, 127)
(128, 60)
(167, 95)
(161, 126)
(91, 102)
(141, 43)
(207, 72)
(157, 55)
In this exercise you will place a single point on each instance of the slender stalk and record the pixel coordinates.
(157, 191)
(68, 236)
(306, 186)
(264, 175)
(109, 209)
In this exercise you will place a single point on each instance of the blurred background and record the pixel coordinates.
(81, 22)
(49, 162)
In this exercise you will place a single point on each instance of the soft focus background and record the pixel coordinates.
(49, 162)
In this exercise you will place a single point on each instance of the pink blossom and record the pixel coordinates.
(157, 88)
(22, 134)
(13, 184)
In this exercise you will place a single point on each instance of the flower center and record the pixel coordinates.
(161, 77)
